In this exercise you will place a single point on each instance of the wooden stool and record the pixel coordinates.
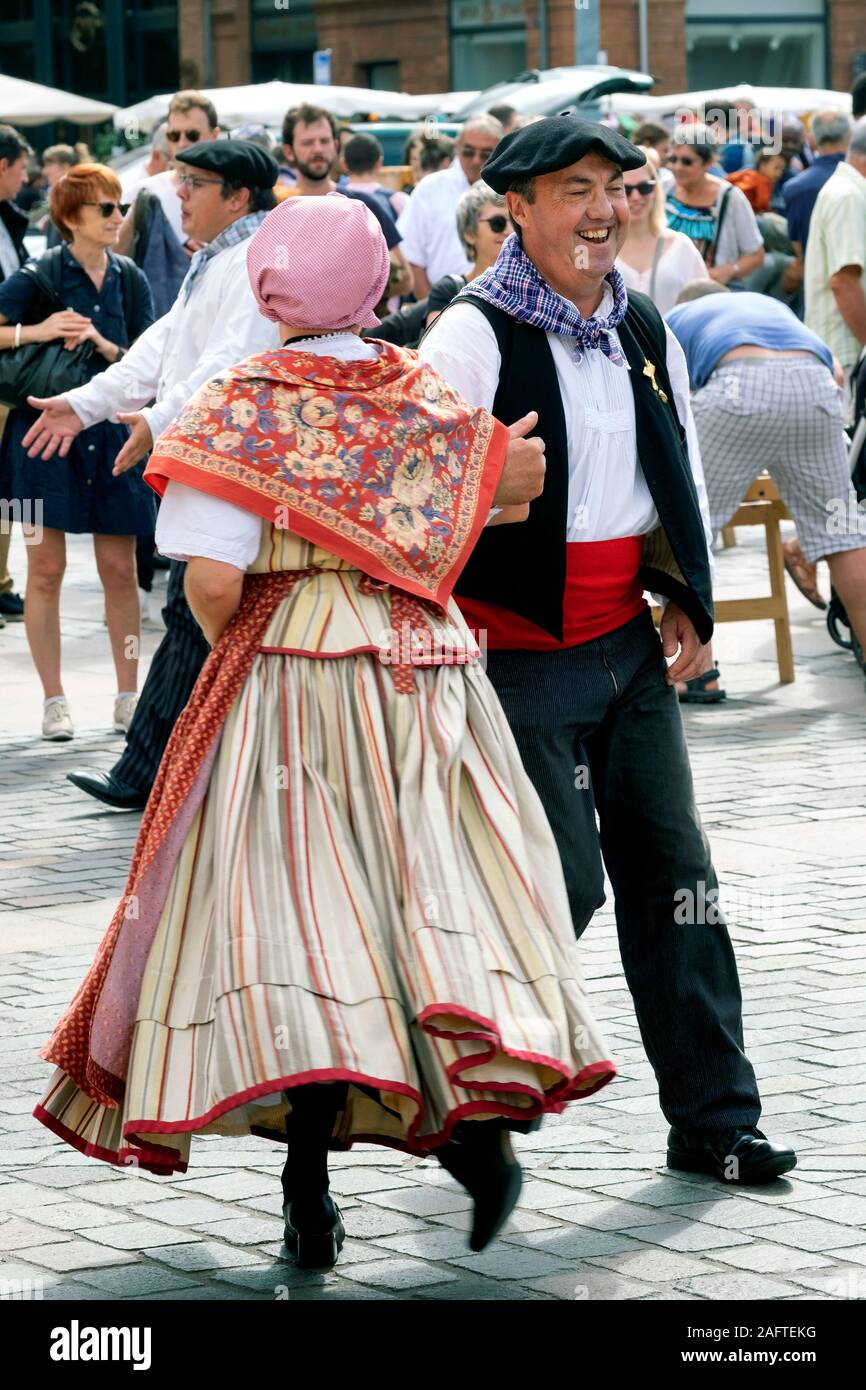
(762, 506)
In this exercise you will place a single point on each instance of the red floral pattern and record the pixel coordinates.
(380, 461)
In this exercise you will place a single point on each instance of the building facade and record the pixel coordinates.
(125, 50)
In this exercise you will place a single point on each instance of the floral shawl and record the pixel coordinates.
(380, 462)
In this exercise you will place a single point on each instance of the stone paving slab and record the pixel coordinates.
(780, 773)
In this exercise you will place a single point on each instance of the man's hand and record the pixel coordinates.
(522, 477)
(140, 441)
(55, 429)
(678, 634)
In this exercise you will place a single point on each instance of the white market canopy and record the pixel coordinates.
(267, 103)
(27, 103)
(799, 101)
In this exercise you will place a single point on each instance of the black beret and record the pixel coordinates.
(554, 143)
(238, 160)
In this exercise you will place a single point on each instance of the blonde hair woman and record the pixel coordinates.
(655, 259)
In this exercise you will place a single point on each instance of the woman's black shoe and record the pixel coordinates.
(314, 1230)
(480, 1157)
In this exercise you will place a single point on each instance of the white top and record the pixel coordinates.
(428, 224)
(219, 325)
(607, 494)
(192, 523)
(680, 262)
(837, 238)
(164, 185)
(9, 261)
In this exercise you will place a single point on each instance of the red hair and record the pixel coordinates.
(84, 183)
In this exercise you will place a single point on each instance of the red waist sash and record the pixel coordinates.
(602, 591)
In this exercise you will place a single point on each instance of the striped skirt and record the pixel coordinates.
(368, 891)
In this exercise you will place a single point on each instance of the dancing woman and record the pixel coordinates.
(345, 918)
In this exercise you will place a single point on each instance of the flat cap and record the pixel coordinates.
(238, 160)
(555, 143)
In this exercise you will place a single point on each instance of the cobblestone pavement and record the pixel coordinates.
(780, 775)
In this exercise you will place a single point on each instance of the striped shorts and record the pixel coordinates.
(784, 415)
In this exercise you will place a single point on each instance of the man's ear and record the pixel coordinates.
(516, 205)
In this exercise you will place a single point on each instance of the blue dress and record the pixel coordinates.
(78, 494)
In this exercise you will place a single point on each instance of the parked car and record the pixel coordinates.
(392, 135)
(551, 90)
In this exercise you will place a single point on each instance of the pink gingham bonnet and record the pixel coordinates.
(319, 262)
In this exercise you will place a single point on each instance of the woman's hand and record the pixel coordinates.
(89, 333)
(66, 323)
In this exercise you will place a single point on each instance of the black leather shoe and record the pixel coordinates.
(108, 788)
(12, 608)
(314, 1230)
(732, 1155)
(480, 1157)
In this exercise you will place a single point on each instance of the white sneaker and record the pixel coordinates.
(124, 709)
(144, 605)
(56, 723)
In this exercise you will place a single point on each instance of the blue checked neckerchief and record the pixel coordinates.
(230, 236)
(515, 285)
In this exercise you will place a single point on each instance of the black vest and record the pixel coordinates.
(521, 567)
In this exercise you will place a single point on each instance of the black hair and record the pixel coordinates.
(362, 153)
(12, 145)
(261, 199)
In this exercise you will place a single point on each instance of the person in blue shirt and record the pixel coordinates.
(831, 130)
(105, 300)
(767, 395)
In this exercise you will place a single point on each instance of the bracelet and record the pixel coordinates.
(17, 335)
(121, 352)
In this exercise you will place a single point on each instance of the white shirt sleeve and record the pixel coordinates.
(241, 332)
(192, 524)
(461, 346)
(474, 370)
(410, 225)
(128, 384)
(679, 375)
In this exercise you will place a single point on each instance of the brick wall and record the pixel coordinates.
(230, 43)
(413, 33)
(620, 37)
(847, 26)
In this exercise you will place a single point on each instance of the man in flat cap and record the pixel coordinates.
(572, 650)
(225, 187)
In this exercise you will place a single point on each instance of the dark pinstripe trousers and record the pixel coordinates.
(172, 675)
(599, 731)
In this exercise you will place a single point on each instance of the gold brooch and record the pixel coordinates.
(650, 371)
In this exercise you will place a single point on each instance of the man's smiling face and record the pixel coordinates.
(575, 225)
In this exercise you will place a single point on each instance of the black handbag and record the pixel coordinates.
(45, 369)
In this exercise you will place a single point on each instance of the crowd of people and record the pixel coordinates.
(610, 337)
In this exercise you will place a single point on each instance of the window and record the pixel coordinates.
(488, 42)
(383, 77)
(282, 41)
(770, 43)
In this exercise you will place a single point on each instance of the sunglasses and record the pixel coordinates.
(497, 223)
(108, 208)
(193, 181)
(644, 189)
(678, 159)
(174, 135)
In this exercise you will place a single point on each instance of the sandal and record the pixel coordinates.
(696, 692)
(803, 575)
